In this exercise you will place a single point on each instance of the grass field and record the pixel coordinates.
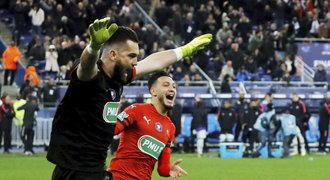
(311, 167)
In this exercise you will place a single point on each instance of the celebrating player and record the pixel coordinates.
(146, 134)
(85, 120)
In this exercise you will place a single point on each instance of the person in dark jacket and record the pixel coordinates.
(240, 106)
(29, 120)
(50, 93)
(8, 114)
(227, 119)
(320, 75)
(175, 115)
(250, 117)
(225, 87)
(324, 124)
(299, 109)
(199, 124)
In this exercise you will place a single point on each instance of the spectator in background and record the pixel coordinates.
(178, 74)
(315, 26)
(58, 13)
(189, 27)
(250, 117)
(265, 130)
(175, 115)
(52, 67)
(225, 87)
(50, 93)
(176, 23)
(219, 60)
(227, 119)
(250, 65)
(49, 27)
(10, 58)
(64, 54)
(227, 69)
(77, 47)
(198, 125)
(240, 107)
(242, 74)
(31, 90)
(29, 120)
(78, 15)
(63, 74)
(224, 33)
(37, 53)
(31, 75)
(287, 124)
(37, 18)
(267, 100)
(19, 114)
(324, 113)
(20, 10)
(161, 14)
(320, 75)
(236, 56)
(8, 113)
(66, 26)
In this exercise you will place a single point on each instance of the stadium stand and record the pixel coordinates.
(262, 42)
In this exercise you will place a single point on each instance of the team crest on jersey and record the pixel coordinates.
(158, 127)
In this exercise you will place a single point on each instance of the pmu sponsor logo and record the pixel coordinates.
(151, 146)
(110, 112)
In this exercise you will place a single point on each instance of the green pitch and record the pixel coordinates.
(312, 167)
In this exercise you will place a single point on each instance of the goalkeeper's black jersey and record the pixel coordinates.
(81, 133)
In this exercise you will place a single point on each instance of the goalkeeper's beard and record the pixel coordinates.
(121, 74)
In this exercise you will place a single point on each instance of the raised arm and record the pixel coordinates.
(99, 34)
(160, 60)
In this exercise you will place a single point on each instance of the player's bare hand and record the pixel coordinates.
(176, 171)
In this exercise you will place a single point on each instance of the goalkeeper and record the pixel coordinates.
(85, 120)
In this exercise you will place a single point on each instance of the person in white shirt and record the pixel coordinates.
(37, 18)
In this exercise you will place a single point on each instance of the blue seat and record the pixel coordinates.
(266, 77)
(295, 78)
(212, 123)
(187, 126)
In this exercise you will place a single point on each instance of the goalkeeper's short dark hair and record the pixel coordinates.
(153, 78)
(122, 35)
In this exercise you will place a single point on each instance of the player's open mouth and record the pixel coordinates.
(170, 97)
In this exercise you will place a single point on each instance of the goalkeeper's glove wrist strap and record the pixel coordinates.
(178, 53)
(93, 50)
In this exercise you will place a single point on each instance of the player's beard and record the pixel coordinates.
(121, 74)
(162, 99)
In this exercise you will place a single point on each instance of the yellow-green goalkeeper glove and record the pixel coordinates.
(99, 32)
(195, 45)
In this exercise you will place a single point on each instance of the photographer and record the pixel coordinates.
(52, 67)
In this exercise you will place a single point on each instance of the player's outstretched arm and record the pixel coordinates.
(166, 169)
(99, 33)
(160, 60)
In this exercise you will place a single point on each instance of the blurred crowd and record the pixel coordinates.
(249, 44)
(254, 39)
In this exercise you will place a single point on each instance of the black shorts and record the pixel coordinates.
(61, 173)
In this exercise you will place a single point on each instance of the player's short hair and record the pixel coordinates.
(122, 35)
(153, 78)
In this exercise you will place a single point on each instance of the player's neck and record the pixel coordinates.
(159, 108)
